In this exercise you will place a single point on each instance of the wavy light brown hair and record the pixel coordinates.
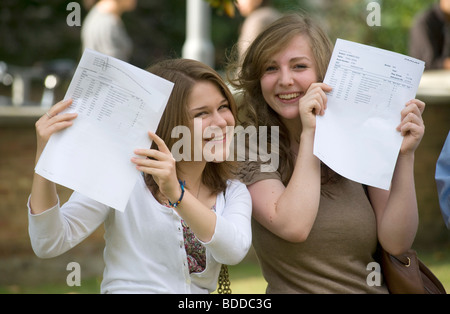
(246, 77)
(185, 73)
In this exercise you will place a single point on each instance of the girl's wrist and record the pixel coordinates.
(181, 195)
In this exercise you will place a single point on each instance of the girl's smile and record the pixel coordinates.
(288, 76)
(213, 118)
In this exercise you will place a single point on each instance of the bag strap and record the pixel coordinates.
(224, 277)
(224, 281)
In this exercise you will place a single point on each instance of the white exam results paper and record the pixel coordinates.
(117, 104)
(357, 136)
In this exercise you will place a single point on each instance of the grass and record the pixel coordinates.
(246, 278)
(88, 286)
(439, 263)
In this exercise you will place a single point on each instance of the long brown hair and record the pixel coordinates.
(185, 73)
(246, 76)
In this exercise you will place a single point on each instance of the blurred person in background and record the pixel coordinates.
(258, 14)
(443, 181)
(103, 29)
(430, 36)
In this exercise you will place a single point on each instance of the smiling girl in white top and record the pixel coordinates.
(183, 220)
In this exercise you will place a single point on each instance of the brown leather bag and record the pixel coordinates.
(406, 274)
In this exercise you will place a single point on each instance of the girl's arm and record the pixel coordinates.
(43, 191)
(162, 166)
(233, 235)
(53, 230)
(396, 210)
(290, 211)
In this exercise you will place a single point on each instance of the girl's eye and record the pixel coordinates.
(227, 106)
(200, 114)
(271, 68)
(300, 66)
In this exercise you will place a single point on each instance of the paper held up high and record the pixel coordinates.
(357, 136)
(117, 104)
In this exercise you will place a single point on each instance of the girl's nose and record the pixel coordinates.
(285, 78)
(219, 120)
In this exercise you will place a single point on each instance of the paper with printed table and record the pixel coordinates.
(117, 104)
(357, 136)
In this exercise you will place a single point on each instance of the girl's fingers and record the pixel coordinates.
(410, 128)
(420, 104)
(160, 164)
(410, 115)
(159, 142)
(60, 122)
(322, 86)
(321, 89)
(315, 99)
(318, 108)
(153, 153)
(58, 108)
(411, 108)
(149, 163)
(52, 122)
(53, 115)
(325, 87)
(411, 119)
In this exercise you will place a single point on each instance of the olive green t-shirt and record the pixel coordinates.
(336, 255)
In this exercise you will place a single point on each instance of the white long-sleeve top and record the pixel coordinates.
(144, 245)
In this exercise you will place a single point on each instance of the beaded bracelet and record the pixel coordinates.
(174, 205)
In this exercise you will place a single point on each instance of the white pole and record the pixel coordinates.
(198, 44)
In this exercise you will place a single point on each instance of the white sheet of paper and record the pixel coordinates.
(357, 136)
(117, 104)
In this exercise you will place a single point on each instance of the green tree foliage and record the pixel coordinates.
(347, 19)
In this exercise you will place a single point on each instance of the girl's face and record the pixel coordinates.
(287, 77)
(212, 124)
